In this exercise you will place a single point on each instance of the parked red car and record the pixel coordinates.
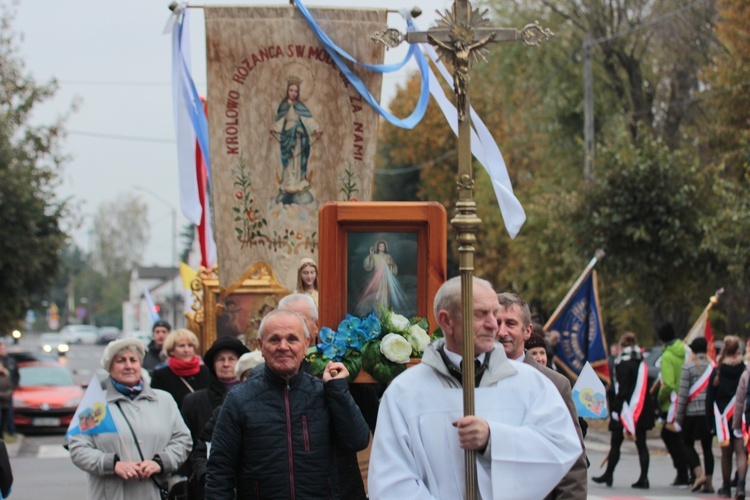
(47, 395)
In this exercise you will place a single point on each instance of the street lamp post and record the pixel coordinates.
(174, 259)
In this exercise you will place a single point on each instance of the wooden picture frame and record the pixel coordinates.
(233, 311)
(344, 231)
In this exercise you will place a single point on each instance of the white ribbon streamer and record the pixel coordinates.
(483, 146)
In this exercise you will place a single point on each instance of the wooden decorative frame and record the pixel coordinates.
(257, 292)
(338, 221)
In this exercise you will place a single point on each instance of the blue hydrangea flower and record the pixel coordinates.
(371, 326)
(355, 339)
(350, 323)
(335, 350)
(326, 335)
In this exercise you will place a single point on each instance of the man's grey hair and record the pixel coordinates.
(448, 296)
(292, 301)
(280, 312)
(509, 299)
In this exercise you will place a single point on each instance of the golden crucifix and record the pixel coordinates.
(461, 37)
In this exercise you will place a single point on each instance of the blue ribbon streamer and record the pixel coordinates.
(337, 54)
(195, 106)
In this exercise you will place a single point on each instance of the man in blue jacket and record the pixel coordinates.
(275, 434)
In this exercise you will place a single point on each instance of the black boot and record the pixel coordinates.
(725, 491)
(603, 479)
(642, 484)
(740, 495)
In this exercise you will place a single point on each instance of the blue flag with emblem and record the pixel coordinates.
(92, 415)
(579, 324)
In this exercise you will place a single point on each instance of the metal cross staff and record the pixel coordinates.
(461, 36)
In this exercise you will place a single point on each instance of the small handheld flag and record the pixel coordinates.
(92, 415)
(588, 394)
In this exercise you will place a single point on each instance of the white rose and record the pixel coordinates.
(418, 338)
(399, 323)
(395, 348)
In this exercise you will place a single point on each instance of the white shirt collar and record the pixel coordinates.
(455, 359)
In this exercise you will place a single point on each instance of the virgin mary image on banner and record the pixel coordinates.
(294, 128)
(386, 279)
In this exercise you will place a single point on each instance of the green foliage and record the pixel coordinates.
(646, 214)
(377, 365)
(31, 236)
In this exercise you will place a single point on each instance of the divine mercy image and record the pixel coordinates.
(382, 273)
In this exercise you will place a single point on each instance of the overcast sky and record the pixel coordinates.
(112, 57)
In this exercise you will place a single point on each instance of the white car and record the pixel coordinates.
(80, 334)
(52, 343)
(144, 337)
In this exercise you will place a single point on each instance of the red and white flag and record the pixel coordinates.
(702, 328)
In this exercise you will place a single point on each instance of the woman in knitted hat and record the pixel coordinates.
(152, 440)
(630, 374)
(536, 347)
(198, 406)
(185, 372)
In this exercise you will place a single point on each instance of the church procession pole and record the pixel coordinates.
(460, 37)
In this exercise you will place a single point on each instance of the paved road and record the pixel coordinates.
(43, 470)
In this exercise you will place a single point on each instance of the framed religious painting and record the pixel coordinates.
(380, 255)
(234, 311)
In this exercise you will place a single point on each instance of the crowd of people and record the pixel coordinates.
(696, 399)
(255, 424)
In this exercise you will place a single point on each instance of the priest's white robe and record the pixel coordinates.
(416, 452)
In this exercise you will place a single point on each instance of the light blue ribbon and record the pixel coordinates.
(195, 106)
(337, 54)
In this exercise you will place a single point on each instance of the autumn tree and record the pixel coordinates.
(31, 215)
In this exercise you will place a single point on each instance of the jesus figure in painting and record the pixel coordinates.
(381, 289)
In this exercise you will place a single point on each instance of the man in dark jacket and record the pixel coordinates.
(159, 332)
(276, 432)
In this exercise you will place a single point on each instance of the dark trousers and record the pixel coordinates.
(695, 429)
(676, 448)
(614, 451)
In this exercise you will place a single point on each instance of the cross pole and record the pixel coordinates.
(461, 36)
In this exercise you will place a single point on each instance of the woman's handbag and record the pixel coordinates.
(163, 491)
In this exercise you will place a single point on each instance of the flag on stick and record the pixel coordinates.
(702, 327)
(152, 312)
(188, 274)
(589, 394)
(92, 415)
(578, 321)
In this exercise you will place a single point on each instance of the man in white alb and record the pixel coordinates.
(522, 431)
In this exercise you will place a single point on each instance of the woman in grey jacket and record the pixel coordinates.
(152, 439)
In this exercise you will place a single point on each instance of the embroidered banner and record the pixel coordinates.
(581, 334)
(287, 130)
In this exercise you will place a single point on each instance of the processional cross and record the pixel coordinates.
(461, 37)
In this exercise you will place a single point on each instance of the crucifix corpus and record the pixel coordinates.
(461, 37)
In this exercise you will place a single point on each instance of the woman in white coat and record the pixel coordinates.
(152, 439)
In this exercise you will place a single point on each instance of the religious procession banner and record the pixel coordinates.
(287, 131)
